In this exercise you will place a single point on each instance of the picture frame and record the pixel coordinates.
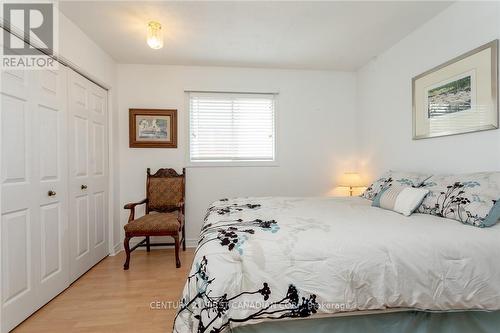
(459, 96)
(152, 128)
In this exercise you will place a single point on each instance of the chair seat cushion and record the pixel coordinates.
(153, 224)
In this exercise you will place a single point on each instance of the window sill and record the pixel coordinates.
(243, 164)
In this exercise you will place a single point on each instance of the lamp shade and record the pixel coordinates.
(155, 35)
(351, 179)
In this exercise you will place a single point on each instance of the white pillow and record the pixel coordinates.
(401, 199)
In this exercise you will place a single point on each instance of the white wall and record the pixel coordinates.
(76, 47)
(384, 97)
(316, 142)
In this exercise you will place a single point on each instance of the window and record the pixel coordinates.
(230, 127)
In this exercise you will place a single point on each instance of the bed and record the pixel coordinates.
(281, 264)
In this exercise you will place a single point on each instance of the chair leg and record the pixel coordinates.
(127, 252)
(177, 245)
(183, 238)
(148, 246)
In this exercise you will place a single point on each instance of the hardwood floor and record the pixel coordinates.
(109, 299)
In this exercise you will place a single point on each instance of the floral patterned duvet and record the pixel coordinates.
(277, 258)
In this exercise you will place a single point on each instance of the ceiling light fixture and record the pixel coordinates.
(155, 35)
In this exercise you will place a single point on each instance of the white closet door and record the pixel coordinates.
(35, 264)
(19, 196)
(52, 173)
(98, 182)
(79, 207)
(88, 174)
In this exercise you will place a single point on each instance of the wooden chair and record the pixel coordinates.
(164, 213)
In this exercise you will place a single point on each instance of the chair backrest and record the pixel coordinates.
(164, 190)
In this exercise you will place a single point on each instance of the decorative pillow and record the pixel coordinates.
(401, 199)
(408, 179)
(469, 198)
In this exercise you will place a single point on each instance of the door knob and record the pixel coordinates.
(83, 187)
(51, 193)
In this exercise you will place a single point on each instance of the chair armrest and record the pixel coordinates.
(131, 206)
(180, 208)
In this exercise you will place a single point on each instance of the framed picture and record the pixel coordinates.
(152, 128)
(459, 96)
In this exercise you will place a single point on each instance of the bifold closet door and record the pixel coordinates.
(34, 229)
(88, 179)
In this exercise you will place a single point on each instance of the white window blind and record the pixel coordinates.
(231, 127)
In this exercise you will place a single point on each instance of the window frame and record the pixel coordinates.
(235, 163)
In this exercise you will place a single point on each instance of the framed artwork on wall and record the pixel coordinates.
(459, 96)
(152, 128)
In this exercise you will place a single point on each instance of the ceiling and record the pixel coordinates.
(298, 35)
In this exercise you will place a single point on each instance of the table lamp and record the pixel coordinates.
(351, 180)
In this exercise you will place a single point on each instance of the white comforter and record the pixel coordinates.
(276, 258)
